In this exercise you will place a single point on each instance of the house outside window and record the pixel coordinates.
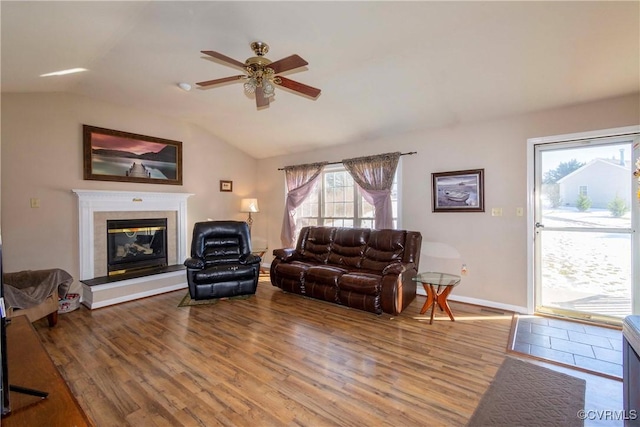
(583, 190)
(337, 202)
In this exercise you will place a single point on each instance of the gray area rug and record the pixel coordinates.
(524, 394)
(188, 302)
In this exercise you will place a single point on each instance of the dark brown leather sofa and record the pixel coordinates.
(366, 269)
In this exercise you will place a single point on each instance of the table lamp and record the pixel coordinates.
(250, 206)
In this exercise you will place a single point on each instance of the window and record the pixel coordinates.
(336, 201)
(583, 190)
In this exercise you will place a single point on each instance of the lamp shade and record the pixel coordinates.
(249, 205)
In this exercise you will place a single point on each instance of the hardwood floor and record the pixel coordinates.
(275, 359)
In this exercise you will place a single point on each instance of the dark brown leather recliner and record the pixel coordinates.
(221, 263)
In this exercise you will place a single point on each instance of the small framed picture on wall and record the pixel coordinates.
(226, 186)
(458, 191)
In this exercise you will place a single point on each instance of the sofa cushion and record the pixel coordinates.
(316, 246)
(348, 246)
(321, 282)
(362, 283)
(372, 303)
(384, 247)
(292, 270)
(324, 275)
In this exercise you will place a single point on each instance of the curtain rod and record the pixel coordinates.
(337, 163)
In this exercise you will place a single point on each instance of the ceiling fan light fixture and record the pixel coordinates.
(262, 74)
(251, 85)
(267, 88)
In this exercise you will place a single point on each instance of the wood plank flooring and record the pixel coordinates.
(275, 359)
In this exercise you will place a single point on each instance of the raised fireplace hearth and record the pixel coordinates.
(157, 214)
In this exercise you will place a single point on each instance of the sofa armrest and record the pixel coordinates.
(286, 254)
(398, 268)
(194, 263)
(398, 288)
(250, 259)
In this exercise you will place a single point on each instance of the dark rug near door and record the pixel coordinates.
(524, 394)
(187, 301)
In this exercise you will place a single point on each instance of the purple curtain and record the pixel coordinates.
(301, 180)
(374, 176)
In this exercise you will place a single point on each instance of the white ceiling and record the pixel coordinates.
(383, 67)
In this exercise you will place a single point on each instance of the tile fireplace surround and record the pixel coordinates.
(94, 208)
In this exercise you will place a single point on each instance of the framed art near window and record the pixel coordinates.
(112, 155)
(226, 186)
(458, 191)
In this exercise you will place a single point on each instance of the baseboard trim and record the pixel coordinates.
(481, 302)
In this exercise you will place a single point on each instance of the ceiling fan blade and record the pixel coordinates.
(261, 100)
(288, 63)
(298, 87)
(218, 81)
(223, 58)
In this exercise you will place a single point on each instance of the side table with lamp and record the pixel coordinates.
(250, 206)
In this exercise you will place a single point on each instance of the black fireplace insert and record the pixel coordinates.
(134, 245)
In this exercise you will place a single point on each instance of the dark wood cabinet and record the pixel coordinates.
(30, 366)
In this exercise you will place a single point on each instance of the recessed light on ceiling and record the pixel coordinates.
(63, 72)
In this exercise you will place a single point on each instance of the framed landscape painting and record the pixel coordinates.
(458, 191)
(112, 155)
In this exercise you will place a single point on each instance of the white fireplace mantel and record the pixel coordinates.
(91, 201)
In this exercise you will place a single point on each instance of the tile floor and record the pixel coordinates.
(590, 347)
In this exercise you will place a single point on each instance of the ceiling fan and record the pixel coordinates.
(262, 74)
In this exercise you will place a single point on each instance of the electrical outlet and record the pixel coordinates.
(464, 270)
(35, 203)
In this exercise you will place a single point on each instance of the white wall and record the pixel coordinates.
(42, 158)
(493, 248)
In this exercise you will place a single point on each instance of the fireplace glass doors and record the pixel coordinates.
(134, 245)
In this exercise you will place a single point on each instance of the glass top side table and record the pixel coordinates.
(438, 287)
(260, 252)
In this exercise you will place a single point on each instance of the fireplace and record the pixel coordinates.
(95, 208)
(136, 245)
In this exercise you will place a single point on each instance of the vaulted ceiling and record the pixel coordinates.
(383, 67)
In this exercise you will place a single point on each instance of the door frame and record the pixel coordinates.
(531, 143)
